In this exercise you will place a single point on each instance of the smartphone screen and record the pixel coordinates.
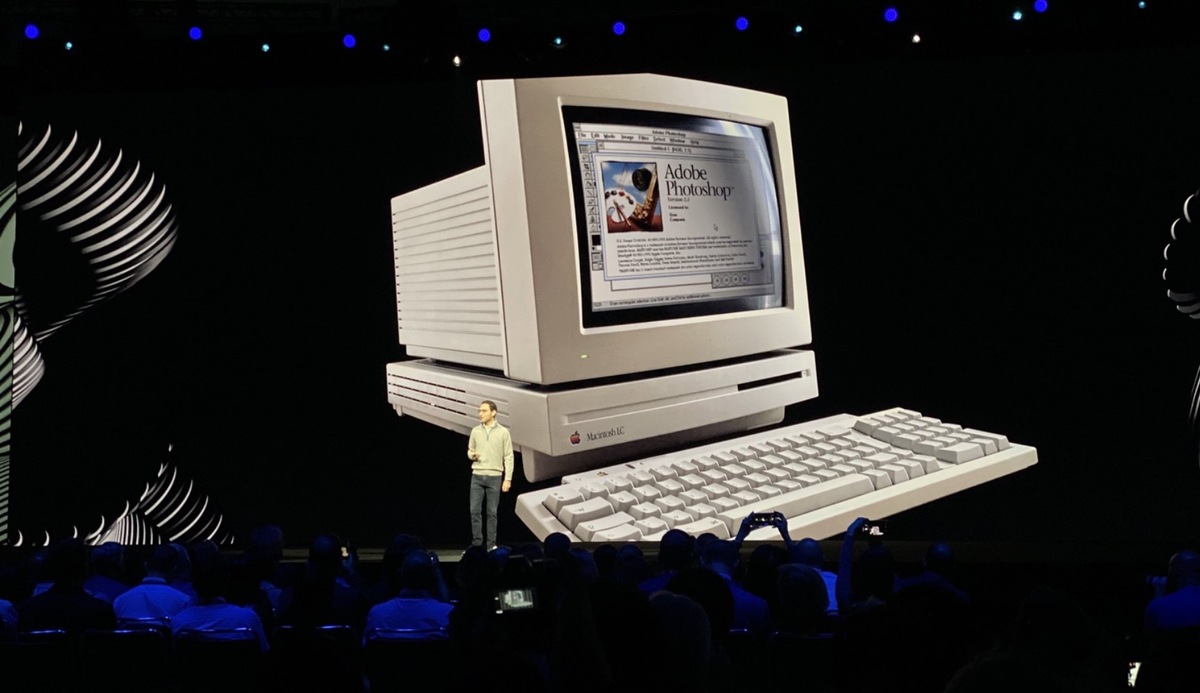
(515, 599)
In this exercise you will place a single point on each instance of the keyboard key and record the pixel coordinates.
(670, 503)
(805, 500)
(651, 525)
(959, 453)
(736, 484)
(897, 473)
(682, 467)
(879, 478)
(576, 513)
(914, 469)
(929, 464)
(616, 484)
(881, 458)
(744, 453)
(645, 494)
(586, 530)
(723, 503)
(724, 457)
(710, 525)
(623, 500)
(593, 489)
(745, 496)
(989, 446)
(642, 511)
(930, 446)
(676, 518)
(831, 432)
(628, 532)
(1000, 441)
(559, 497)
(670, 487)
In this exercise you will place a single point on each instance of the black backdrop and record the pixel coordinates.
(983, 237)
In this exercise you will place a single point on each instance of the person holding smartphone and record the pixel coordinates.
(491, 453)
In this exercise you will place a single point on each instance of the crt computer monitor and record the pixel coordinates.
(623, 224)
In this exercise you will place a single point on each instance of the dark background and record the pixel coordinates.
(983, 219)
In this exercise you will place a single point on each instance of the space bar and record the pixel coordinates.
(801, 501)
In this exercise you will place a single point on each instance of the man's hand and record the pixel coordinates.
(472, 455)
(852, 530)
(780, 522)
(504, 487)
(744, 529)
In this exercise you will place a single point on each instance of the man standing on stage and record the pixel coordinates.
(491, 454)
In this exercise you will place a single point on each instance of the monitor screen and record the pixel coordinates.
(677, 216)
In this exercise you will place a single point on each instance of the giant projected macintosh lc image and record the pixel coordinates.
(646, 320)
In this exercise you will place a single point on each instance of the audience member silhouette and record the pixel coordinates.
(263, 559)
(65, 605)
(8, 616)
(712, 592)
(182, 579)
(1054, 635)
(938, 573)
(153, 599)
(674, 554)
(687, 644)
(808, 552)
(388, 583)
(1172, 629)
(801, 601)
(420, 606)
(556, 545)
(749, 610)
(761, 569)
(870, 583)
(211, 612)
(107, 580)
(324, 596)
(1179, 605)
(629, 566)
(585, 563)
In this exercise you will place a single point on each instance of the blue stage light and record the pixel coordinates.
(349, 41)
(797, 29)
(387, 47)
(557, 42)
(485, 35)
(266, 48)
(1018, 15)
(69, 45)
(195, 33)
(890, 15)
(1142, 5)
(32, 31)
(618, 28)
(742, 23)
(1040, 6)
